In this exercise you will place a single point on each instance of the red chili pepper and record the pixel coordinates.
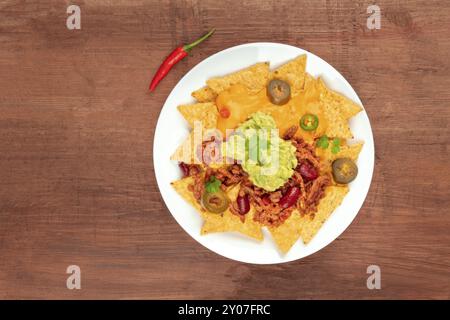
(173, 58)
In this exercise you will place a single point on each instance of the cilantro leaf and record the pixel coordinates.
(213, 185)
(336, 142)
(336, 146)
(323, 142)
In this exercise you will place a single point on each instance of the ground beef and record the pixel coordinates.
(197, 187)
(230, 175)
(189, 170)
(305, 152)
(271, 215)
(315, 193)
(275, 197)
(290, 133)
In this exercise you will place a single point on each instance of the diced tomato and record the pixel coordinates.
(224, 113)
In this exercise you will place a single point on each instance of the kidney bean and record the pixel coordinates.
(308, 172)
(290, 197)
(184, 169)
(243, 204)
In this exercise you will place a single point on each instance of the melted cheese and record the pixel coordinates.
(241, 104)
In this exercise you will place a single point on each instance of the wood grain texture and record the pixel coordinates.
(76, 128)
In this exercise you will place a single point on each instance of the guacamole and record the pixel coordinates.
(256, 145)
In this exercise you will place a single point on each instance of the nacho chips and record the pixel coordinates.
(344, 105)
(186, 151)
(346, 151)
(244, 93)
(333, 198)
(338, 126)
(204, 94)
(213, 222)
(286, 235)
(206, 113)
(228, 222)
(292, 72)
(182, 187)
(254, 78)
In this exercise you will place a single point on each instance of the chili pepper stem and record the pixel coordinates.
(189, 46)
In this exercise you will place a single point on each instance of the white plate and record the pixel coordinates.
(171, 130)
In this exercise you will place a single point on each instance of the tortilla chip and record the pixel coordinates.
(204, 94)
(205, 112)
(333, 198)
(186, 151)
(217, 222)
(191, 150)
(309, 80)
(344, 105)
(292, 72)
(287, 234)
(182, 188)
(337, 125)
(346, 151)
(229, 222)
(254, 78)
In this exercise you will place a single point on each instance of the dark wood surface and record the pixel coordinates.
(77, 184)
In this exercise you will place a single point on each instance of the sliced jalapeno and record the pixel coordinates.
(344, 170)
(216, 202)
(278, 92)
(309, 122)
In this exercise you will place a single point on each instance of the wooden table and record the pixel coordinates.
(76, 133)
